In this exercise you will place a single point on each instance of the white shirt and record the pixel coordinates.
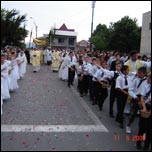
(79, 69)
(124, 59)
(86, 67)
(71, 62)
(145, 89)
(92, 70)
(49, 55)
(120, 82)
(100, 75)
(45, 52)
(134, 90)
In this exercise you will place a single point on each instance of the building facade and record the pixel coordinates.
(83, 44)
(145, 45)
(64, 38)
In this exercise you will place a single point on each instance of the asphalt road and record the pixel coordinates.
(45, 114)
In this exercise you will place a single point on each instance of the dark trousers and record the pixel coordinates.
(91, 87)
(133, 110)
(71, 75)
(112, 99)
(28, 59)
(121, 102)
(85, 83)
(145, 127)
(95, 91)
(102, 95)
(80, 85)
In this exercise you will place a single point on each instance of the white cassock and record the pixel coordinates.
(45, 56)
(63, 72)
(13, 77)
(22, 66)
(61, 67)
(15, 65)
(4, 81)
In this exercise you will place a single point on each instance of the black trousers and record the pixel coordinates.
(86, 83)
(145, 127)
(102, 95)
(71, 75)
(80, 85)
(91, 87)
(121, 102)
(134, 107)
(112, 99)
(95, 91)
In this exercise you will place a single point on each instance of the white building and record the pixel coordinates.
(145, 45)
(64, 38)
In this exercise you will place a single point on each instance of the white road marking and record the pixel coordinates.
(87, 108)
(53, 128)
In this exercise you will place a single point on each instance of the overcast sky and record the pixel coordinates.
(76, 14)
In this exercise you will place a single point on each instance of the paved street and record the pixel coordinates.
(44, 114)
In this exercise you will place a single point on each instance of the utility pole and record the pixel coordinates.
(36, 27)
(93, 6)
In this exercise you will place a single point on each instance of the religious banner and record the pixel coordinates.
(39, 42)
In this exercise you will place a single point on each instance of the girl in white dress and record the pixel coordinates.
(4, 78)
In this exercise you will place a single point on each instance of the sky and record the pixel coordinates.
(75, 14)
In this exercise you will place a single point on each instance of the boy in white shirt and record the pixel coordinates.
(122, 85)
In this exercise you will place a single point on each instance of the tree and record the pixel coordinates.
(100, 37)
(11, 31)
(51, 36)
(125, 35)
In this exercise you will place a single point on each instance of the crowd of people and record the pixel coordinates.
(126, 79)
(13, 69)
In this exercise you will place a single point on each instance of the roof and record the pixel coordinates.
(64, 28)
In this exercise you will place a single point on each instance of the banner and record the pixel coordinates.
(39, 42)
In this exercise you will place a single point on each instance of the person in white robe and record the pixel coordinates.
(45, 56)
(63, 72)
(22, 64)
(13, 73)
(4, 79)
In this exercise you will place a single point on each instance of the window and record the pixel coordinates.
(71, 41)
(60, 40)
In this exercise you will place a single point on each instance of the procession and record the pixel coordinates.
(125, 79)
(76, 76)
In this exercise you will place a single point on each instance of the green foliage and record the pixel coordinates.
(51, 36)
(11, 31)
(124, 35)
(100, 37)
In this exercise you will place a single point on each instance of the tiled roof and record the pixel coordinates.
(64, 28)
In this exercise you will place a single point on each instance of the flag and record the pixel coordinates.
(39, 42)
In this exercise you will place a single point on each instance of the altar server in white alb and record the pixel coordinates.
(22, 64)
(4, 78)
(13, 73)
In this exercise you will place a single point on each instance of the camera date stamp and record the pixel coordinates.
(129, 138)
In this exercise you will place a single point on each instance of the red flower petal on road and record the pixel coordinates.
(23, 142)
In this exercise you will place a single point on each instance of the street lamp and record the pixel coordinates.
(93, 6)
(35, 25)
